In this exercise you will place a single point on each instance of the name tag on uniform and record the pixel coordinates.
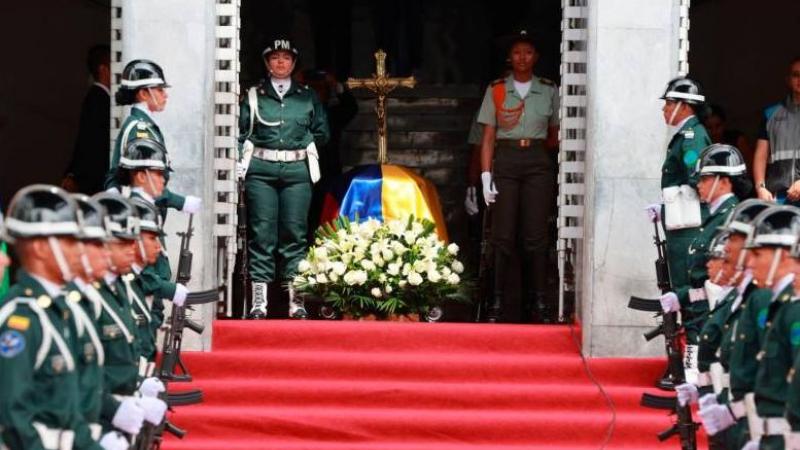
(111, 331)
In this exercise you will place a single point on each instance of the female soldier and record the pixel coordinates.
(520, 118)
(281, 124)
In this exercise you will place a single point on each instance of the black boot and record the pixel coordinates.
(538, 273)
(494, 311)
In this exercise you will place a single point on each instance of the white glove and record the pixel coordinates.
(751, 445)
(192, 204)
(717, 418)
(707, 401)
(489, 190)
(241, 169)
(154, 409)
(129, 416)
(471, 201)
(792, 440)
(151, 387)
(687, 393)
(670, 303)
(180, 295)
(114, 440)
(654, 212)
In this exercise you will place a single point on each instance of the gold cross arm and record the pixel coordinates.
(381, 85)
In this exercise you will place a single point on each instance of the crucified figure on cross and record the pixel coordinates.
(381, 85)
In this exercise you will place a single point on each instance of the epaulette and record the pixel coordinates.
(498, 81)
(688, 133)
(547, 81)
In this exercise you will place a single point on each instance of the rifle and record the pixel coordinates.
(242, 263)
(485, 269)
(684, 427)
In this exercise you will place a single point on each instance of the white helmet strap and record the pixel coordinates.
(61, 261)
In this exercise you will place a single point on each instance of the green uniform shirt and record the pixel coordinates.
(683, 152)
(142, 317)
(793, 396)
(713, 330)
(155, 280)
(781, 346)
(290, 123)
(45, 390)
(539, 113)
(122, 356)
(140, 125)
(747, 339)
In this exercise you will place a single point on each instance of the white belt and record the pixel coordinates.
(279, 155)
(96, 431)
(763, 426)
(697, 295)
(54, 438)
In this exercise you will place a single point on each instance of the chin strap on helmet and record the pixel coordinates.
(773, 268)
(87, 267)
(678, 106)
(713, 189)
(61, 261)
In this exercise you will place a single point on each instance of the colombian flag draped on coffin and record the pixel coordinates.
(383, 191)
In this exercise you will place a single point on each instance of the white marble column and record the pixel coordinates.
(633, 48)
(179, 36)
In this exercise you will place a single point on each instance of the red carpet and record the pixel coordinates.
(400, 386)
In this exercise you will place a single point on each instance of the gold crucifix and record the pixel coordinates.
(381, 85)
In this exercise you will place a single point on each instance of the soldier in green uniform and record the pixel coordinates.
(519, 115)
(144, 86)
(680, 211)
(143, 168)
(281, 125)
(118, 327)
(775, 236)
(721, 173)
(40, 394)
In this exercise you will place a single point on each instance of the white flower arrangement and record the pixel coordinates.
(369, 267)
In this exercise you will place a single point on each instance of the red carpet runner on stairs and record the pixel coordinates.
(401, 386)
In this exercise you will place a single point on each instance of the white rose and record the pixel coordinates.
(393, 269)
(417, 227)
(457, 266)
(387, 254)
(388, 289)
(434, 276)
(376, 292)
(341, 233)
(347, 257)
(322, 279)
(321, 253)
(446, 271)
(351, 278)
(382, 278)
(453, 279)
(368, 264)
(414, 279)
(312, 281)
(338, 268)
(409, 236)
(362, 277)
(397, 227)
(406, 268)
(303, 266)
(420, 266)
(333, 277)
(358, 255)
(452, 249)
(378, 260)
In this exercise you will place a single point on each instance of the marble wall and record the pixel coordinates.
(179, 35)
(630, 59)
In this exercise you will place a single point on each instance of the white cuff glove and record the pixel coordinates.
(180, 295)
(114, 440)
(687, 393)
(151, 387)
(192, 204)
(471, 201)
(154, 409)
(670, 303)
(654, 212)
(751, 445)
(489, 190)
(716, 418)
(707, 401)
(792, 440)
(129, 416)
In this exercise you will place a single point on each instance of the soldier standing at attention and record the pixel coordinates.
(40, 394)
(281, 124)
(519, 115)
(144, 87)
(680, 210)
(775, 265)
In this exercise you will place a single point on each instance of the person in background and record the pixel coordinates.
(716, 124)
(775, 163)
(86, 170)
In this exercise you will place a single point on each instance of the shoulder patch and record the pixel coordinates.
(141, 125)
(12, 343)
(20, 323)
(794, 334)
(141, 135)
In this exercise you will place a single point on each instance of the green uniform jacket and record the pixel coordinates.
(793, 396)
(90, 366)
(712, 331)
(781, 346)
(747, 340)
(678, 168)
(291, 123)
(143, 319)
(49, 394)
(139, 125)
(694, 313)
(155, 281)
